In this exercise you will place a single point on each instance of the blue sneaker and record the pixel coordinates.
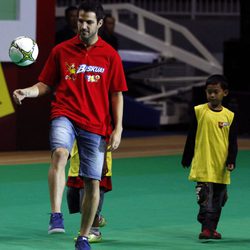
(56, 223)
(82, 243)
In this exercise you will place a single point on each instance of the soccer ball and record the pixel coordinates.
(23, 51)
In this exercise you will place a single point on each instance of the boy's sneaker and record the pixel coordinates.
(209, 234)
(56, 223)
(102, 221)
(216, 235)
(205, 234)
(94, 237)
(82, 243)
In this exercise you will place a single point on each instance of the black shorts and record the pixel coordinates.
(74, 197)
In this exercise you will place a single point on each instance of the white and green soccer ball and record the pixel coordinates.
(23, 51)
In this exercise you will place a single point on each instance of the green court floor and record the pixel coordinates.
(152, 206)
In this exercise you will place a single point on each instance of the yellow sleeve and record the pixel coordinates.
(74, 162)
(109, 163)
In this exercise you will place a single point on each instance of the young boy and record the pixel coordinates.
(75, 191)
(211, 149)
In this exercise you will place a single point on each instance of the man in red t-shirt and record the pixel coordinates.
(87, 79)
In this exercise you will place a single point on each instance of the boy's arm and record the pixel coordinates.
(233, 145)
(190, 143)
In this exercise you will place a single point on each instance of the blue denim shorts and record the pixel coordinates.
(91, 147)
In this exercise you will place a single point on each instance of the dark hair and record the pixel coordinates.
(69, 9)
(92, 6)
(107, 16)
(217, 79)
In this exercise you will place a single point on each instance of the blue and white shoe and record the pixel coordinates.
(56, 223)
(82, 243)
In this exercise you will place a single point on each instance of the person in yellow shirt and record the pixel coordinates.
(211, 150)
(75, 191)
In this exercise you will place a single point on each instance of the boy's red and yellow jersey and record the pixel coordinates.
(73, 174)
(211, 145)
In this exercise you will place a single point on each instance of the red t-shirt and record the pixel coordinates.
(82, 81)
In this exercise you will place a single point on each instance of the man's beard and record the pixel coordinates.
(87, 39)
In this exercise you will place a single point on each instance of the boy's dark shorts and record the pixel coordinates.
(73, 199)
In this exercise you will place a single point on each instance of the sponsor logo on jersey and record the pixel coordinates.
(89, 68)
(223, 124)
(92, 78)
(72, 71)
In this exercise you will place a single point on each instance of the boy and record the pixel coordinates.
(211, 149)
(75, 191)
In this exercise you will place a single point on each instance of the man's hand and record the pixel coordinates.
(115, 140)
(31, 92)
(19, 95)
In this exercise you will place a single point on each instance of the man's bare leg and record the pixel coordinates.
(56, 179)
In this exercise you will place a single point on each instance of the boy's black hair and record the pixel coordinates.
(69, 9)
(108, 15)
(92, 6)
(217, 79)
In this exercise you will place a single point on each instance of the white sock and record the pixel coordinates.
(84, 238)
(95, 230)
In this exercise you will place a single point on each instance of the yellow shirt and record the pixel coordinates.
(75, 162)
(211, 145)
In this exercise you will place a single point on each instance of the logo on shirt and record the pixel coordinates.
(92, 78)
(89, 68)
(223, 124)
(72, 71)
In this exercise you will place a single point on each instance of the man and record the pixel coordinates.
(107, 31)
(87, 78)
(70, 29)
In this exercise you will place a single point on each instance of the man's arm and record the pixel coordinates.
(34, 91)
(117, 111)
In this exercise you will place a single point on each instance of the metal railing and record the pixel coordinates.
(190, 8)
(203, 60)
